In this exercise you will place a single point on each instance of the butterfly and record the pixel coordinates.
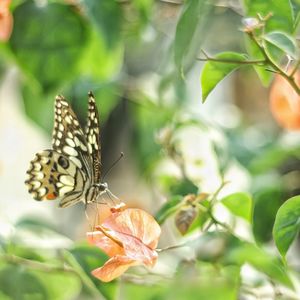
(71, 170)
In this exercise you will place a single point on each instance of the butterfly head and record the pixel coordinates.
(102, 186)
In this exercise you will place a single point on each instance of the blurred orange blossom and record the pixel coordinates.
(6, 20)
(129, 237)
(285, 102)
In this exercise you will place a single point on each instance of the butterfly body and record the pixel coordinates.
(71, 170)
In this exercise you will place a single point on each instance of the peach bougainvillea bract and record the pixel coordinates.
(129, 238)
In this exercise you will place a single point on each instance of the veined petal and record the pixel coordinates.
(133, 247)
(109, 246)
(137, 223)
(114, 268)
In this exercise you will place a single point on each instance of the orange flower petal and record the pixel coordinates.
(285, 103)
(110, 247)
(114, 268)
(133, 247)
(137, 223)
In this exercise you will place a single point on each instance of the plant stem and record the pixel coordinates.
(172, 247)
(233, 61)
(217, 222)
(32, 264)
(269, 61)
(295, 68)
(216, 193)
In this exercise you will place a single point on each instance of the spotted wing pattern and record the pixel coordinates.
(93, 137)
(68, 137)
(69, 170)
(52, 175)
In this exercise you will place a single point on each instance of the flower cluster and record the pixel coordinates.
(129, 237)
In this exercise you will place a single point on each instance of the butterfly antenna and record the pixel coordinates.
(119, 158)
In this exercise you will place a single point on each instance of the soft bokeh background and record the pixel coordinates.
(124, 52)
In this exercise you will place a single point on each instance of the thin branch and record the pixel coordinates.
(172, 247)
(295, 68)
(233, 61)
(211, 223)
(217, 192)
(217, 222)
(32, 264)
(272, 71)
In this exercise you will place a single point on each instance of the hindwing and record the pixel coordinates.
(52, 175)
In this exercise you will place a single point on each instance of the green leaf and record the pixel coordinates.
(18, 283)
(287, 224)
(90, 258)
(282, 13)
(106, 95)
(222, 248)
(88, 285)
(267, 202)
(282, 20)
(107, 19)
(135, 291)
(183, 187)
(240, 204)
(194, 17)
(297, 21)
(214, 72)
(60, 286)
(35, 224)
(211, 283)
(97, 54)
(48, 41)
(216, 289)
(274, 157)
(38, 106)
(283, 41)
(244, 252)
(168, 209)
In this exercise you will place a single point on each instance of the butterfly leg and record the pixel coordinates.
(87, 216)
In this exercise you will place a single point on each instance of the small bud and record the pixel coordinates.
(250, 24)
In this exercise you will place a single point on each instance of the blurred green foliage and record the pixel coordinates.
(127, 52)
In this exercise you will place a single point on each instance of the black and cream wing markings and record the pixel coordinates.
(71, 170)
(93, 137)
(68, 137)
(52, 175)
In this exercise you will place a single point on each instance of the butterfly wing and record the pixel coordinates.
(52, 175)
(68, 137)
(93, 138)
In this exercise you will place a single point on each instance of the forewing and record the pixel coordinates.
(68, 137)
(93, 137)
(52, 175)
